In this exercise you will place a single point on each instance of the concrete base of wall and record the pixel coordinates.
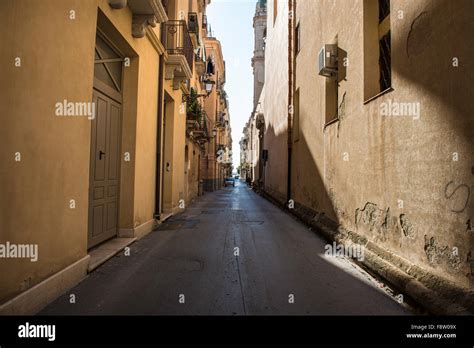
(138, 232)
(107, 250)
(39, 296)
(33, 300)
(164, 217)
(438, 295)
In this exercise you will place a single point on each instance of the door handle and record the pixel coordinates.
(100, 155)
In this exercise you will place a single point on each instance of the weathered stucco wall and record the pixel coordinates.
(56, 64)
(404, 182)
(54, 166)
(175, 138)
(147, 121)
(275, 96)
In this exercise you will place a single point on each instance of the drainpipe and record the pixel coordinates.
(290, 93)
(159, 153)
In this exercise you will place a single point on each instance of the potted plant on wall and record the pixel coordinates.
(193, 107)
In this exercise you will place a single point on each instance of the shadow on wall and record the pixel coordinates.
(434, 55)
(310, 201)
(420, 65)
(446, 24)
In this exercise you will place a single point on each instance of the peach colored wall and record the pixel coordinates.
(275, 98)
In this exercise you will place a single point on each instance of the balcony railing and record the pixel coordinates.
(200, 64)
(205, 126)
(175, 38)
(220, 120)
(165, 4)
(199, 126)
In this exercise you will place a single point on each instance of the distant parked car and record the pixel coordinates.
(237, 177)
(229, 182)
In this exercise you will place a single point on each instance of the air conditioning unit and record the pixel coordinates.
(328, 61)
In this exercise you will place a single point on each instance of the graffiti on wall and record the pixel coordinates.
(457, 195)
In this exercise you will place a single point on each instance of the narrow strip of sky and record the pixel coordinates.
(231, 22)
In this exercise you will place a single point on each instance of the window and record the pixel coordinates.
(296, 116)
(384, 9)
(108, 66)
(377, 48)
(384, 45)
(297, 38)
(275, 10)
(264, 38)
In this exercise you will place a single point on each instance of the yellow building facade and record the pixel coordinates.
(96, 147)
(217, 108)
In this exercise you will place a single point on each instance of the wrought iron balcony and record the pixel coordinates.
(203, 135)
(200, 64)
(165, 4)
(220, 148)
(194, 113)
(194, 30)
(177, 41)
(198, 125)
(220, 120)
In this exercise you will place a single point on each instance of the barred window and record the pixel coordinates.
(384, 9)
(385, 62)
(377, 48)
(384, 45)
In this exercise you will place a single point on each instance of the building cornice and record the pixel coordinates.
(146, 13)
(155, 41)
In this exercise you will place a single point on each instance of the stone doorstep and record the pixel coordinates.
(164, 217)
(106, 251)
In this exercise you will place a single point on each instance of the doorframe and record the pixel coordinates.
(109, 92)
(168, 129)
(159, 143)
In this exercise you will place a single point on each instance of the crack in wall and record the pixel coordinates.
(417, 33)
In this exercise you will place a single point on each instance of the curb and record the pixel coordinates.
(408, 278)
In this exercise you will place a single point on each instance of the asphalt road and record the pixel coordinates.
(281, 268)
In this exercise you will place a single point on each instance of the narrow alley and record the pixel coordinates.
(222, 165)
(193, 254)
